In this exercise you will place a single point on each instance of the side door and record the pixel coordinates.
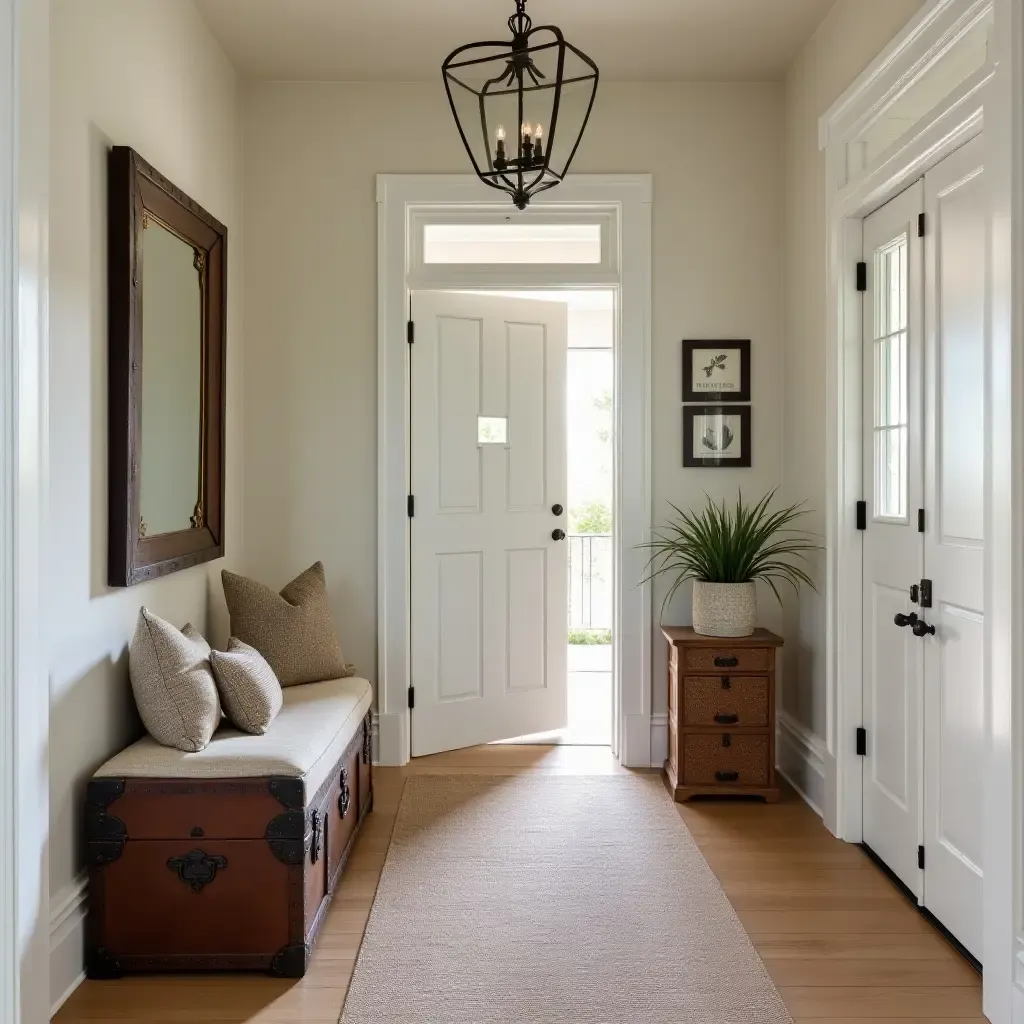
(956, 259)
(488, 550)
(893, 478)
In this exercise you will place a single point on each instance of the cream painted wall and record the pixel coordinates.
(311, 155)
(148, 75)
(849, 38)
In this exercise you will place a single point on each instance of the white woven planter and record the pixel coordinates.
(724, 609)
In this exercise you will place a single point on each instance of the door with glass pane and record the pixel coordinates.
(893, 479)
(488, 535)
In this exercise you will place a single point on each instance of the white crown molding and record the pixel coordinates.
(929, 36)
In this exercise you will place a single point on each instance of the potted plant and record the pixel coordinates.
(725, 552)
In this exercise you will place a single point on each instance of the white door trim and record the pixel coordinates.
(24, 685)
(627, 197)
(991, 96)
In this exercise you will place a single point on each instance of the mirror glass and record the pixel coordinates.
(172, 376)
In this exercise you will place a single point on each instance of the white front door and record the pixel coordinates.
(954, 694)
(893, 477)
(489, 556)
(924, 466)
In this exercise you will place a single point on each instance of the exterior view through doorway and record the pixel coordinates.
(511, 542)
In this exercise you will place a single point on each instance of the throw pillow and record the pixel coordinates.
(293, 630)
(249, 690)
(173, 683)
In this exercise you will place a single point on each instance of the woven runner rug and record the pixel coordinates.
(552, 900)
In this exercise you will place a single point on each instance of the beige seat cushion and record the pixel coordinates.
(248, 688)
(305, 741)
(173, 683)
(293, 630)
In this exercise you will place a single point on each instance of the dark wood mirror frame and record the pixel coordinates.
(135, 192)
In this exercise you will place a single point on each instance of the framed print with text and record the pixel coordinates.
(716, 371)
(716, 436)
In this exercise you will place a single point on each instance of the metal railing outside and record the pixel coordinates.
(590, 580)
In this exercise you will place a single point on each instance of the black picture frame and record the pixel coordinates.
(740, 349)
(711, 460)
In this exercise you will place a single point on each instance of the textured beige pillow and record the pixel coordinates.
(293, 630)
(173, 683)
(249, 690)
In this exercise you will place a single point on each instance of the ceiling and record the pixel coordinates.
(406, 40)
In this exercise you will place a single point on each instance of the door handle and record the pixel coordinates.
(557, 510)
(921, 628)
(902, 620)
(558, 534)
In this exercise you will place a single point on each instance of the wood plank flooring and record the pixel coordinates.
(842, 945)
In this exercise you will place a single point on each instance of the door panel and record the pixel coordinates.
(893, 548)
(954, 692)
(488, 579)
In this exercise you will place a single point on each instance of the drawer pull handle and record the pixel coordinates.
(727, 776)
(726, 683)
(721, 661)
(727, 719)
(726, 740)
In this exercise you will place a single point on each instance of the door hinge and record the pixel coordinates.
(412, 696)
(926, 593)
(862, 515)
(410, 332)
(920, 520)
(862, 742)
(410, 505)
(921, 221)
(862, 277)
(920, 857)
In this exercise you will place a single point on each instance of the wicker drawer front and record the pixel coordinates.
(722, 701)
(729, 659)
(711, 759)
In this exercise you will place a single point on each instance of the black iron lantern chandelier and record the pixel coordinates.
(521, 106)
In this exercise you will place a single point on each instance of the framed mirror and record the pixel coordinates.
(167, 322)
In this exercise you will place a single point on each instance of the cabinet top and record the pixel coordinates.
(684, 636)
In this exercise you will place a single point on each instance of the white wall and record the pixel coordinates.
(148, 75)
(849, 38)
(311, 155)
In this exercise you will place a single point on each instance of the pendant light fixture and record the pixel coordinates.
(521, 106)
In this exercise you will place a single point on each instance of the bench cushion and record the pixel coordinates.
(306, 740)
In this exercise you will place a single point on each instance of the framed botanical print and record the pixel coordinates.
(716, 371)
(716, 436)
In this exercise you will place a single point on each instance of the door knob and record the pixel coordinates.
(922, 628)
(558, 534)
(557, 510)
(902, 620)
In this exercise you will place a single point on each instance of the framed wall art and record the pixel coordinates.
(716, 436)
(716, 371)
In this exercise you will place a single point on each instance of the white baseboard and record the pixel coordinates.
(375, 738)
(392, 746)
(800, 759)
(635, 745)
(659, 739)
(67, 940)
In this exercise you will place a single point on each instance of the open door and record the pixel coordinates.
(488, 550)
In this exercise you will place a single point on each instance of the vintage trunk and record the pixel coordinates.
(218, 874)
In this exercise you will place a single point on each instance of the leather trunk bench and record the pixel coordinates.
(227, 859)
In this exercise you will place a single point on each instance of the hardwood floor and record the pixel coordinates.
(842, 945)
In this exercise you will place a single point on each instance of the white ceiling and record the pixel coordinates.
(406, 40)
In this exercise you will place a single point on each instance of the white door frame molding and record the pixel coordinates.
(403, 202)
(24, 685)
(990, 99)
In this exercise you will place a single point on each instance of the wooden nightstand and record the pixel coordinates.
(721, 714)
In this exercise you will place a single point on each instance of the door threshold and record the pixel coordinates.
(972, 960)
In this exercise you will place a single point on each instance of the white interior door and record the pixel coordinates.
(956, 272)
(489, 573)
(893, 477)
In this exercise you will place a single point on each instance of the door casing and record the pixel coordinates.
(623, 203)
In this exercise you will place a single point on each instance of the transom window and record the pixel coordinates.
(511, 242)
(890, 363)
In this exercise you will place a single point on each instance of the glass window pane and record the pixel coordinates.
(512, 243)
(492, 430)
